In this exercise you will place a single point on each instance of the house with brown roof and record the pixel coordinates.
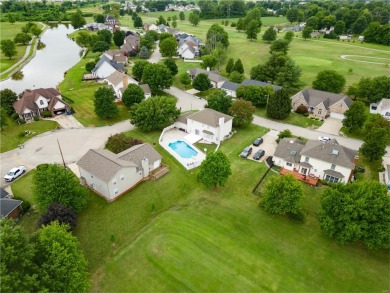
(131, 45)
(382, 108)
(324, 160)
(322, 104)
(111, 175)
(207, 124)
(188, 50)
(119, 81)
(34, 102)
(216, 80)
(116, 56)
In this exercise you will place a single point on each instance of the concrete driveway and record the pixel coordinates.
(269, 145)
(331, 126)
(186, 101)
(66, 121)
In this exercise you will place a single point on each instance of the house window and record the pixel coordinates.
(41, 102)
(304, 171)
(331, 179)
(333, 167)
(122, 177)
(307, 159)
(288, 164)
(196, 131)
(116, 191)
(387, 114)
(114, 181)
(319, 111)
(93, 185)
(91, 176)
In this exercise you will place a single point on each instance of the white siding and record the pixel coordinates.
(104, 70)
(187, 54)
(197, 128)
(59, 105)
(319, 167)
(41, 102)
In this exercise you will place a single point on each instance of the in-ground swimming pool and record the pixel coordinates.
(183, 149)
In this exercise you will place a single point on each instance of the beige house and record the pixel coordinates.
(110, 175)
(322, 104)
(382, 108)
(119, 81)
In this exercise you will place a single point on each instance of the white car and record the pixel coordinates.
(324, 138)
(15, 173)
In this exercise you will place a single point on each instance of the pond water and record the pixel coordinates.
(50, 63)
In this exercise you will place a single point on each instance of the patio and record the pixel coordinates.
(308, 179)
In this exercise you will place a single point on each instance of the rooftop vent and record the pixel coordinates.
(335, 152)
(293, 153)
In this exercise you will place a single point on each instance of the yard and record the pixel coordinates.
(155, 237)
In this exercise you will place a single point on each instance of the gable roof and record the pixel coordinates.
(260, 83)
(189, 48)
(103, 59)
(331, 152)
(209, 117)
(196, 71)
(228, 85)
(105, 164)
(8, 205)
(315, 97)
(385, 104)
(289, 149)
(145, 88)
(3, 193)
(117, 77)
(183, 118)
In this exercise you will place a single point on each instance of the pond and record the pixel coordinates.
(50, 63)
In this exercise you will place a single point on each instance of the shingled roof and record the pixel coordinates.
(260, 83)
(8, 205)
(117, 77)
(228, 85)
(209, 117)
(315, 97)
(289, 149)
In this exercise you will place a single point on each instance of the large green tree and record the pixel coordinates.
(214, 170)
(105, 36)
(238, 67)
(251, 30)
(242, 111)
(62, 265)
(194, 19)
(168, 47)
(270, 34)
(280, 45)
(7, 99)
(83, 39)
(133, 94)
(157, 76)
(3, 118)
(201, 82)
(279, 105)
(373, 89)
(229, 66)
(53, 183)
(104, 103)
(219, 101)
(138, 22)
(138, 69)
(329, 81)
(77, 20)
(171, 65)
(8, 48)
(283, 195)
(306, 32)
(355, 116)
(357, 212)
(215, 37)
(100, 46)
(209, 61)
(374, 146)
(257, 95)
(61, 213)
(375, 121)
(22, 38)
(119, 38)
(154, 113)
(185, 79)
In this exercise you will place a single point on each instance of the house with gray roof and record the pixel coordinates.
(10, 208)
(207, 124)
(230, 88)
(105, 67)
(382, 108)
(322, 104)
(131, 45)
(111, 175)
(326, 160)
(260, 83)
(216, 80)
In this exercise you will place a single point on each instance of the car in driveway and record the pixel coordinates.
(15, 173)
(324, 138)
(258, 141)
(258, 154)
(246, 152)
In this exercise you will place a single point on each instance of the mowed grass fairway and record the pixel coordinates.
(173, 234)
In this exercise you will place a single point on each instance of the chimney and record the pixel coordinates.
(125, 81)
(145, 167)
(355, 160)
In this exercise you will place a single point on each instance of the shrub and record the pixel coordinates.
(21, 134)
(15, 116)
(324, 182)
(26, 205)
(21, 121)
(233, 24)
(36, 118)
(46, 114)
(306, 114)
(119, 142)
(302, 109)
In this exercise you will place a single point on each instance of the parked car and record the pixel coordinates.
(258, 141)
(15, 173)
(246, 152)
(324, 138)
(258, 154)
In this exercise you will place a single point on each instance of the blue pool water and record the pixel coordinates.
(183, 149)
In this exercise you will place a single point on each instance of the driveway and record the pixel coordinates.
(66, 121)
(186, 101)
(269, 145)
(331, 125)
(156, 55)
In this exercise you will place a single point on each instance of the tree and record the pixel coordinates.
(201, 82)
(215, 170)
(283, 195)
(257, 95)
(100, 46)
(171, 65)
(229, 66)
(252, 29)
(119, 142)
(209, 61)
(3, 118)
(182, 16)
(144, 53)
(359, 25)
(339, 28)
(157, 76)
(374, 146)
(219, 101)
(154, 113)
(62, 265)
(168, 47)
(164, 36)
(289, 36)
(242, 111)
(53, 183)
(220, 54)
(61, 213)
(138, 22)
(238, 66)
(374, 89)
(279, 46)
(306, 33)
(36, 31)
(240, 25)
(18, 270)
(215, 37)
(329, 81)
(312, 22)
(236, 77)
(7, 99)
(138, 69)
(279, 105)
(284, 133)
(104, 102)
(90, 66)
(185, 79)
(11, 18)
(355, 116)
(105, 36)
(161, 20)
(119, 38)
(292, 15)
(8, 48)
(83, 39)
(133, 94)
(77, 20)
(269, 34)
(376, 121)
(357, 212)
(253, 15)
(174, 23)
(22, 38)
(99, 18)
(194, 19)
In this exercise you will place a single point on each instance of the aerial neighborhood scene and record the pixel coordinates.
(202, 146)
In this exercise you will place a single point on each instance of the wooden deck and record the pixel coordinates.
(159, 172)
(308, 179)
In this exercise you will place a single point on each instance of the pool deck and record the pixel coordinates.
(174, 135)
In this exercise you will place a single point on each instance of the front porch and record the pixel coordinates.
(308, 179)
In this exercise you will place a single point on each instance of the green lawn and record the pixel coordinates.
(14, 134)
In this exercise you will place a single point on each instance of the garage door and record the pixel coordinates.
(337, 115)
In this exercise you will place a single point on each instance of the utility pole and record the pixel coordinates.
(228, 10)
(62, 156)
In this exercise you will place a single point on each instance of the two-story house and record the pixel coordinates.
(324, 160)
(131, 45)
(119, 81)
(105, 67)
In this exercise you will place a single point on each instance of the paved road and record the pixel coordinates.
(186, 101)
(156, 55)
